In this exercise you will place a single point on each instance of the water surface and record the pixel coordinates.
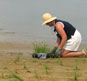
(20, 20)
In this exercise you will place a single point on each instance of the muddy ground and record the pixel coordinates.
(14, 66)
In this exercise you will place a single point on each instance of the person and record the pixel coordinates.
(68, 37)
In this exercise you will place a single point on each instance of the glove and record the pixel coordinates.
(53, 50)
(58, 52)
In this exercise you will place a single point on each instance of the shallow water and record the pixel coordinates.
(20, 20)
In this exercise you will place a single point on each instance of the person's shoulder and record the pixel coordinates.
(60, 23)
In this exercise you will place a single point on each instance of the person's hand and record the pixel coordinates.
(59, 51)
(53, 50)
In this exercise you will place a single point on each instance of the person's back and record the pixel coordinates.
(68, 28)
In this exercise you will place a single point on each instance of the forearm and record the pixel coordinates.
(57, 43)
(63, 41)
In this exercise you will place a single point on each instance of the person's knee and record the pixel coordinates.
(62, 55)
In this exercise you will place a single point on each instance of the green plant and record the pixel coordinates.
(36, 74)
(14, 76)
(34, 60)
(25, 66)
(75, 77)
(59, 61)
(76, 65)
(46, 68)
(14, 80)
(17, 58)
(41, 48)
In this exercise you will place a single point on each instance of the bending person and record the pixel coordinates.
(68, 37)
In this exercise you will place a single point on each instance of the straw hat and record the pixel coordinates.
(47, 17)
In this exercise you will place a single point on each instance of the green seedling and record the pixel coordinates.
(17, 58)
(46, 68)
(41, 48)
(14, 80)
(76, 65)
(14, 76)
(25, 66)
(59, 61)
(75, 77)
(34, 60)
(36, 74)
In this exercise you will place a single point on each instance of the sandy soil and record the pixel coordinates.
(30, 69)
(18, 67)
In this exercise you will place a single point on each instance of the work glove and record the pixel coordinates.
(53, 50)
(58, 51)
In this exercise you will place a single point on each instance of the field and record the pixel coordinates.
(26, 68)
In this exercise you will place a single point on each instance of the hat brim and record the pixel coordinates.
(53, 18)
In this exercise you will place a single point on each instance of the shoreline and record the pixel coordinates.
(28, 44)
(12, 48)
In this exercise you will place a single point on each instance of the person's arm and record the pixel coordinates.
(55, 47)
(60, 30)
(57, 43)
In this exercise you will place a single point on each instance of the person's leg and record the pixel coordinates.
(67, 53)
(73, 45)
